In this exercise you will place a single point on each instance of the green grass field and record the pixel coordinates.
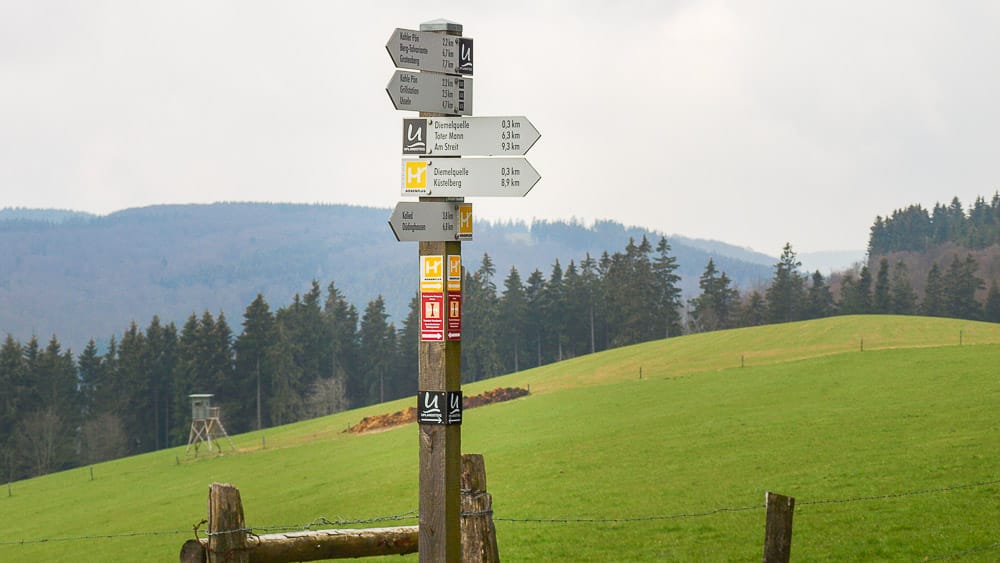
(809, 415)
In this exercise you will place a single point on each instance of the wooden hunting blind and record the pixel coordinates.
(206, 424)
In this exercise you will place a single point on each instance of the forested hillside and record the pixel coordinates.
(83, 277)
(319, 352)
(949, 257)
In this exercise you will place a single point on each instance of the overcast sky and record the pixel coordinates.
(754, 123)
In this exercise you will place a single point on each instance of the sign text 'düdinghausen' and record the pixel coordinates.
(431, 221)
(468, 136)
(460, 177)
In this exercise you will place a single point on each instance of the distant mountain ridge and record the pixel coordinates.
(81, 276)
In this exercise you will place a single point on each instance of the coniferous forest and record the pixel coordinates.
(320, 354)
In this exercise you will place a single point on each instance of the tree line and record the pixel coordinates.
(915, 229)
(319, 354)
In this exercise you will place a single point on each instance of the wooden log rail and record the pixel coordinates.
(228, 539)
(315, 545)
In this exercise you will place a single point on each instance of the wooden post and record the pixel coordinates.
(778, 530)
(440, 444)
(479, 535)
(227, 536)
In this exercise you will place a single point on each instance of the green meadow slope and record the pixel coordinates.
(891, 454)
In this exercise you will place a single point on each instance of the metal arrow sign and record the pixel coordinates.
(425, 50)
(459, 177)
(430, 91)
(431, 221)
(469, 136)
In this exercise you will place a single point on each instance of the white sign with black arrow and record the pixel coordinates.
(460, 177)
(430, 91)
(425, 50)
(508, 135)
(431, 221)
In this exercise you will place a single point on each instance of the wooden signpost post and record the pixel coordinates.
(438, 84)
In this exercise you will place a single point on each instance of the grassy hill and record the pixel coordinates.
(891, 453)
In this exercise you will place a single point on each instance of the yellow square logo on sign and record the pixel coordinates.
(431, 273)
(465, 221)
(415, 175)
(454, 272)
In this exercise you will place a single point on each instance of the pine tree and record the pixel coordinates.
(480, 305)
(284, 404)
(961, 285)
(409, 343)
(667, 302)
(991, 310)
(131, 388)
(903, 300)
(934, 304)
(377, 351)
(161, 343)
(252, 370)
(786, 294)
(554, 311)
(882, 298)
(13, 381)
(754, 310)
(341, 319)
(512, 321)
(535, 324)
(717, 304)
(819, 298)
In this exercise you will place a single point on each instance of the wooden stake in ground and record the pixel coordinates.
(778, 530)
(479, 535)
(227, 536)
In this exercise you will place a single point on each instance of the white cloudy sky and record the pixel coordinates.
(751, 122)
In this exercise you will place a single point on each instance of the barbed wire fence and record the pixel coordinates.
(413, 515)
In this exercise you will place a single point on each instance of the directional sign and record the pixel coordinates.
(469, 136)
(425, 50)
(430, 221)
(430, 91)
(459, 177)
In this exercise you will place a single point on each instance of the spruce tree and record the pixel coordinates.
(819, 298)
(991, 310)
(903, 300)
(935, 297)
(882, 298)
(786, 294)
(252, 371)
(512, 321)
(667, 301)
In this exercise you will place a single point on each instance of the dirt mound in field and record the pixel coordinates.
(381, 421)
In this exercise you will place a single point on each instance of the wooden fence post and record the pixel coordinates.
(227, 536)
(778, 530)
(479, 535)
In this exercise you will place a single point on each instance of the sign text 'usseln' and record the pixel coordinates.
(430, 91)
(468, 136)
(460, 177)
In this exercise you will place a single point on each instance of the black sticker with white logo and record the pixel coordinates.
(415, 136)
(439, 407)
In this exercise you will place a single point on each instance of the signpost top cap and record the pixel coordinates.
(441, 24)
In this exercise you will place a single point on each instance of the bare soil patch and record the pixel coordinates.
(389, 420)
